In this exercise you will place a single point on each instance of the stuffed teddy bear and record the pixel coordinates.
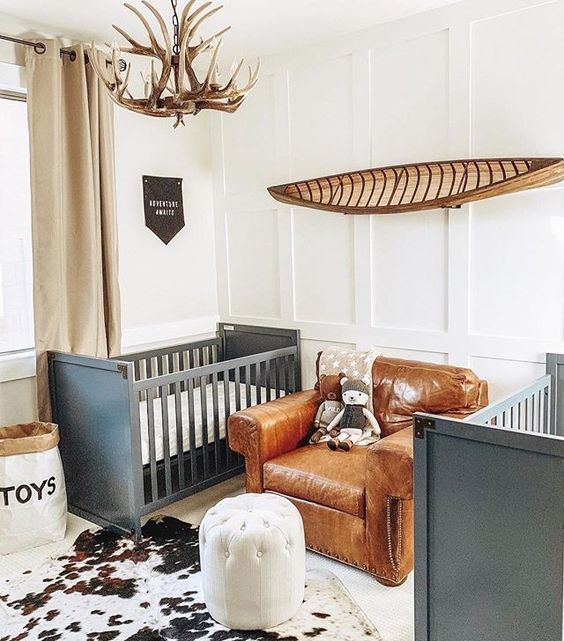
(354, 421)
(330, 391)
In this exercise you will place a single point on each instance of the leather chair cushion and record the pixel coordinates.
(403, 387)
(315, 473)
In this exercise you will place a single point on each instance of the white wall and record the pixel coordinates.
(168, 292)
(482, 286)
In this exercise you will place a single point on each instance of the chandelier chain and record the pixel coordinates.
(176, 44)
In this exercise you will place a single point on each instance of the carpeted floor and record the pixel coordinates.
(390, 609)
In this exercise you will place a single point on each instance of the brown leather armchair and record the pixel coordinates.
(356, 506)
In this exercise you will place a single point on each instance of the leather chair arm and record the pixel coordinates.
(262, 432)
(389, 465)
(389, 506)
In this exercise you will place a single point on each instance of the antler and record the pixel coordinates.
(208, 94)
(187, 94)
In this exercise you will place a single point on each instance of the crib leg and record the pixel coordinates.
(136, 531)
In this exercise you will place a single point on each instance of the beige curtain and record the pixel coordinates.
(75, 253)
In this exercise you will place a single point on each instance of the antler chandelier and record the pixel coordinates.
(174, 89)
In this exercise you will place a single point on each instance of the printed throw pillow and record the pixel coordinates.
(353, 364)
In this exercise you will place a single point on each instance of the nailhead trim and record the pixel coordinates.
(333, 555)
(395, 565)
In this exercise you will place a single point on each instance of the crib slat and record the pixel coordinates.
(166, 440)
(152, 452)
(192, 431)
(216, 434)
(292, 373)
(204, 423)
(161, 369)
(277, 377)
(227, 409)
(248, 385)
(547, 405)
(258, 382)
(237, 389)
(179, 435)
(255, 389)
(519, 415)
(137, 371)
(286, 361)
(181, 369)
(171, 370)
(268, 382)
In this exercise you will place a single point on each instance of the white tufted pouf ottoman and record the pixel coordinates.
(252, 554)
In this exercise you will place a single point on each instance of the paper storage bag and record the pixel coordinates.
(33, 501)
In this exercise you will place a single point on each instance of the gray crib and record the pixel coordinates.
(143, 430)
(489, 518)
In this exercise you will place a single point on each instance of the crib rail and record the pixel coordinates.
(183, 417)
(528, 409)
(177, 358)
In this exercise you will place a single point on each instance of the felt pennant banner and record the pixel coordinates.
(164, 210)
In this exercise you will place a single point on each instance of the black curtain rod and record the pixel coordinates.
(38, 47)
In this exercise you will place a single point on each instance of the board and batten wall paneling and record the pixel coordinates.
(482, 286)
(525, 275)
(506, 374)
(323, 267)
(414, 354)
(253, 262)
(321, 88)
(404, 297)
(517, 107)
(413, 125)
(249, 138)
(410, 105)
(322, 295)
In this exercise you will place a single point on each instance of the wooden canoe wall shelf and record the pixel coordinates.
(419, 186)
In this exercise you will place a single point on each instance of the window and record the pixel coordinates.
(16, 296)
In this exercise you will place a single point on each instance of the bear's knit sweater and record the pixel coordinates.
(353, 418)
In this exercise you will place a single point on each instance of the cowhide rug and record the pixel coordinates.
(107, 588)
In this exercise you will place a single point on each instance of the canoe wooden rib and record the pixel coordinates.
(430, 185)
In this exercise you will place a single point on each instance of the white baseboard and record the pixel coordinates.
(138, 337)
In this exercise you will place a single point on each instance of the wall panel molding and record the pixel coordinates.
(419, 286)
(167, 333)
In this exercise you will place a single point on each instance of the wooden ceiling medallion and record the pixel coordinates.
(172, 87)
(419, 186)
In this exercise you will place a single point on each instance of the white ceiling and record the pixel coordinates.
(259, 27)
